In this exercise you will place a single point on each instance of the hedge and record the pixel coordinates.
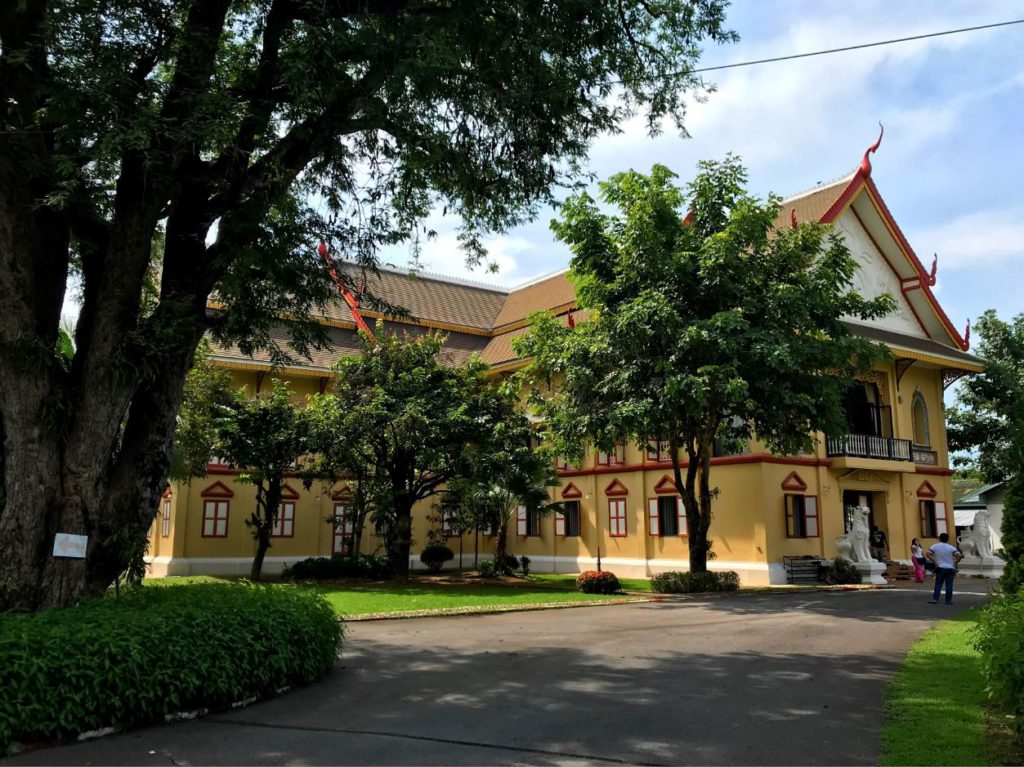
(329, 568)
(694, 583)
(1000, 640)
(133, 659)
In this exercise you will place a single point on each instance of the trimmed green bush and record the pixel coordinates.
(594, 582)
(524, 565)
(1000, 640)
(330, 568)
(841, 572)
(675, 582)
(435, 555)
(493, 568)
(156, 651)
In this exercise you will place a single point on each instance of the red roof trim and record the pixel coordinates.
(666, 485)
(571, 491)
(794, 481)
(926, 490)
(218, 490)
(616, 488)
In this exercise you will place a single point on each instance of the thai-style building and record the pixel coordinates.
(622, 506)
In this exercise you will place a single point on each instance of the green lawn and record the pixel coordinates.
(423, 594)
(935, 711)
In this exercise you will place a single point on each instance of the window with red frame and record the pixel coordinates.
(617, 457)
(215, 519)
(563, 463)
(344, 530)
(801, 516)
(284, 521)
(658, 450)
(567, 522)
(617, 517)
(165, 520)
(666, 516)
(933, 518)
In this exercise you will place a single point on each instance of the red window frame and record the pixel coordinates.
(215, 512)
(808, 522)
(617, 527)
(344, 532)
(563, 526)
(562, 464)
(615, 458)
(165, 520)
(933, 518)
(654, 517)
(284, 521)
(659, 450)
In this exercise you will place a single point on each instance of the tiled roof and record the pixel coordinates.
(546, 293)
(812, 205)
(343, 342)
(963, 486)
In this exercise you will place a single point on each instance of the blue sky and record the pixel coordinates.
(950, 166)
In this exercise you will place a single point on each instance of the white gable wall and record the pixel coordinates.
(875, 277)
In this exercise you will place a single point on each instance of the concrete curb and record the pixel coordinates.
(496, 609)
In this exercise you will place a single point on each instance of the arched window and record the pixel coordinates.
(919, 413)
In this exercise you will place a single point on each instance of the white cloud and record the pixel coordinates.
(976, 239)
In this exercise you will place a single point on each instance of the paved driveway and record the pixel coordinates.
(761, 679)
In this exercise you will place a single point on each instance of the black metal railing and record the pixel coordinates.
(869, 446)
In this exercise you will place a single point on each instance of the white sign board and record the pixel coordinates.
(68, 545)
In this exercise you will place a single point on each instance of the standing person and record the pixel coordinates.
(878, 543)
(945, 558)
(917, 557)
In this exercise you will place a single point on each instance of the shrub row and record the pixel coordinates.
(594, 582)
(155, 651)
(999, 638)
(694, 583)
(329, 568)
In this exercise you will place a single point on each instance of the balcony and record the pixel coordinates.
(869, 446)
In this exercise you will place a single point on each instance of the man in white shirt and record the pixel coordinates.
(945, 558)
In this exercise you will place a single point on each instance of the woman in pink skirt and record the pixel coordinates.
(917, 557)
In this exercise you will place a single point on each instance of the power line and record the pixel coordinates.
(855, 47)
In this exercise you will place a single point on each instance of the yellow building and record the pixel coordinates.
(624, 508)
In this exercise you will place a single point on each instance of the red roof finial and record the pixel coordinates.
(792, 218)
(935, 269)
(322, 249)
(570, 320)
(967, 335)
(865, 163)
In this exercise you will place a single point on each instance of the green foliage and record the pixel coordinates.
(841, 571)
(692, 583)
(499, 567)
(435, 555)
(594, 582)
(989, 417)
(703, 323)
(999, 638)
(207, 391)
(524, 565)
(157, 651)
(419, 422)
(330, 568)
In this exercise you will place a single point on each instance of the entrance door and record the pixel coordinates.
(858, 498)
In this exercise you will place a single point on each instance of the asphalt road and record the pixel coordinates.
(761, 679)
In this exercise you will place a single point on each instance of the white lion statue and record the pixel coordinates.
(855, 545)
(976, 541)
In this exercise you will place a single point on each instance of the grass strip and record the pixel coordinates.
(935, 706)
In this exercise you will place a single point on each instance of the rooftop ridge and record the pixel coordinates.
(818, 187)
(421, 274)
(541, 278)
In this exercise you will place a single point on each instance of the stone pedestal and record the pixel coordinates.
(986, 567)
(871, 572)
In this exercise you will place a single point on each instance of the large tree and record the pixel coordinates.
(705, 322)
(989, 417)
(417, 421)
(233, 133)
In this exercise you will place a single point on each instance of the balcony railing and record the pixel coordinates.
(869, 446)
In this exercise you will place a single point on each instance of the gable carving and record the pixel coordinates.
(616, 488)
(217, 490)
(794, 481)
(571, 491)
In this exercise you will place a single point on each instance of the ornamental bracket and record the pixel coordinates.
(950, 376)
(903, 364)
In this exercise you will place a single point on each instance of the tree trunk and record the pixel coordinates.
(262, 522)
(398, 554)
(696, 523)
(501, 546)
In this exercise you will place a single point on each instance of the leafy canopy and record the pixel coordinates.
(703, 318)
